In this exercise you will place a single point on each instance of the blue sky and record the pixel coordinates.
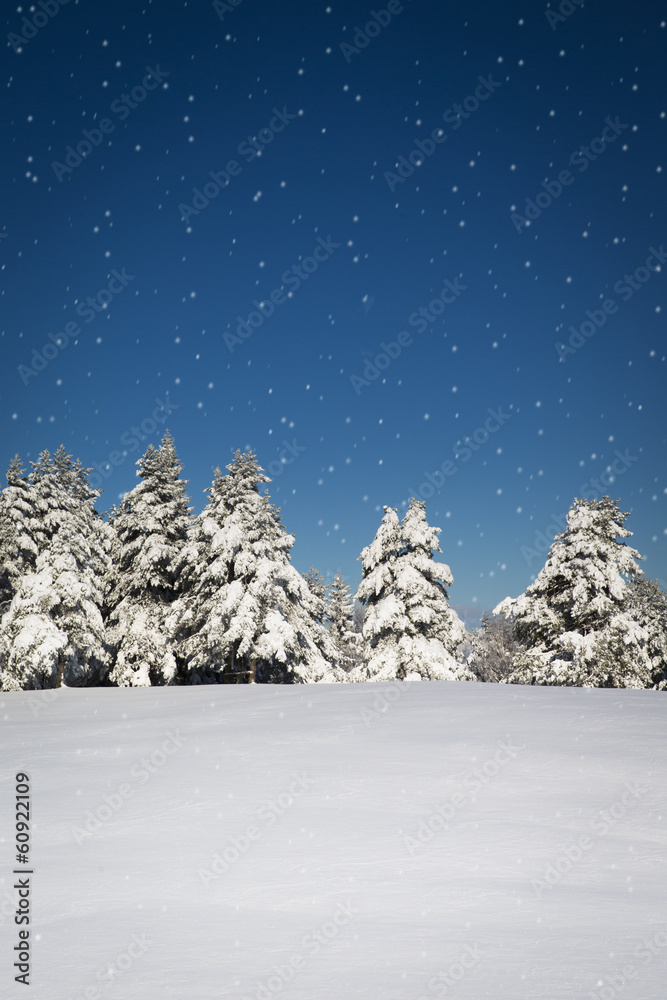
(157, 282)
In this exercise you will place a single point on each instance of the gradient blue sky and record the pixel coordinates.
(287, 389)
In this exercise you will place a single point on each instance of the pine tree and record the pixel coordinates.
(341, 624)
(384, 622)
(151, 528)
(19, 524)
(410, 630)
(494, 649)
(53, 630)
(316, 585)
(315, 581)
(646, 604)
(246, 614)
(572, 617)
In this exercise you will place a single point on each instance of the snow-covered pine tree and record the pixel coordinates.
(572, 618)
(151, 528)
(54, 632)
(315, 581)
(410, 630)
(646, 603)
(384, 621)
(493, 649)
(316, 584)
(341, 624)
(247, 614)
(19, 524)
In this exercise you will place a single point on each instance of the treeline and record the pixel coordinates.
(149, 594)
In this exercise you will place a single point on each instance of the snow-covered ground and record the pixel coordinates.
(339, 841)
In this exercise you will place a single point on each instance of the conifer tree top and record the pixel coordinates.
(15, 471)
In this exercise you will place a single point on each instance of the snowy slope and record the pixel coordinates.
(331, 894)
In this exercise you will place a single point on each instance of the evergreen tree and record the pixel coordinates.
(315, 581)
(246, 614)
(151, 528)
(341, 624)
(646, 604)
(384, 622)
(572, 618)
(19, 524)
(316, 585)
(493, 649)
(53, 629)
(410, 630)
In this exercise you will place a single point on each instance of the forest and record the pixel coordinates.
(149, 594)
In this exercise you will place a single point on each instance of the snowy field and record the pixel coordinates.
(339, 841)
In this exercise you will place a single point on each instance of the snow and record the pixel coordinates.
(325, 790)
